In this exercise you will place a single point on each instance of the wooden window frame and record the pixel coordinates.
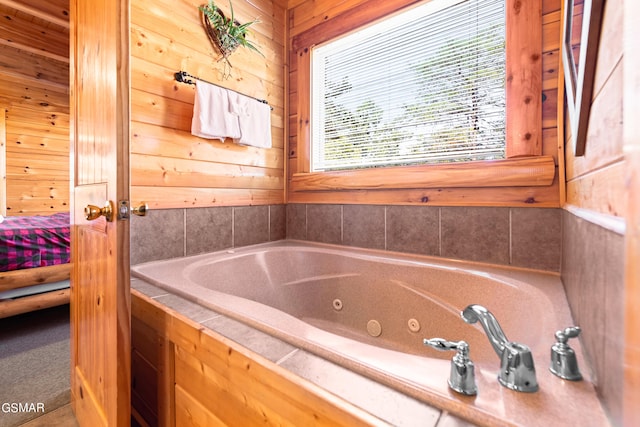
(524, 164)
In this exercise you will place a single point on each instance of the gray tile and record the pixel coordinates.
(208, 229)
(379, 400)
(263, 344)
(147, 288)
(158, 235)
(536, 238)
(364, 226)
(250, 225)
(277, 222)
(324, 223)
(296, 221)
(413, 229)
(475, 233)
(613, 343)
(584, 274)
(193, 311)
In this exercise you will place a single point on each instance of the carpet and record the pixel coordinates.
(34, 364)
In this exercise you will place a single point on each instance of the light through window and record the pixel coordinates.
(425, 86)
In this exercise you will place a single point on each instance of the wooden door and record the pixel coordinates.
(100, 300)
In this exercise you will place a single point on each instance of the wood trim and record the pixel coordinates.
(34, 302)
(35, 12)
(286, 396)
(355, 17)
(562, 173)
(524, 172)
(3, 161)
(34, 276)
(522, 197)
(304, 110)
(602, 190)
(524, 94)
(524, 78)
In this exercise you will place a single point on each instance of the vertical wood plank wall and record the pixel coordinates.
(34, 90)
(305, 14)
(170, 168)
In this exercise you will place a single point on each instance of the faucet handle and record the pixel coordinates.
(443, 345)
(564, 363)
(462, 377)
(563, 335)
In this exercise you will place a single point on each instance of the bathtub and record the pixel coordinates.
(370, 310)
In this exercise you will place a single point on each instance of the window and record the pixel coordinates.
(515, 133)
(425, 86)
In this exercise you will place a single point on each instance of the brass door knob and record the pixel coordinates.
(92, 212)
(140, 210)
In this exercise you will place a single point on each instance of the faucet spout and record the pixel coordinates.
(517, 370)
(497, 338)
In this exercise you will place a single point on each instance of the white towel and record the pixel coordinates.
(254, 118)
(211, 116)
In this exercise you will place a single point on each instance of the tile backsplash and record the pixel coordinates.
(522, 237)
(170, 233)
(593, 276)
(588, 257)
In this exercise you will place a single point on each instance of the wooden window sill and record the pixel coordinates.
(516, 172)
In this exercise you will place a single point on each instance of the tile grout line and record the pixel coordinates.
(510, 237)
(233, 227)
(385, 227)
(439, 231)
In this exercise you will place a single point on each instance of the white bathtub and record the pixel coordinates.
(370, 310)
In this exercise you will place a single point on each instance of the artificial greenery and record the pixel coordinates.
(228, 33)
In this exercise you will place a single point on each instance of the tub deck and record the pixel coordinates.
(414, 371)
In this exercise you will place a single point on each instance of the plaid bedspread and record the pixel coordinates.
(34, 241)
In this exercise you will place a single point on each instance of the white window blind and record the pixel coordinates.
(424, 86)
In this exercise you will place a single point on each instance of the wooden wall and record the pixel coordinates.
(595, 181)
(187, 375)
(170, 168)
(34, 98)
(306, 14)
(601, 222)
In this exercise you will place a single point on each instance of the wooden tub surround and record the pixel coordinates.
(193, 360)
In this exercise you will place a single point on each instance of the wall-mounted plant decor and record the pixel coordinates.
(226, 33)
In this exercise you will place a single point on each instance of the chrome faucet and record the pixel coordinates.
(517, 370)
(462, 377)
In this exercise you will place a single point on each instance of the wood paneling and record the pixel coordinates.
(309, 23)
(523, 79)
(216, 382)
(595, 180)
(631, 137)
(170, 167)
(100, 294)
(520, 172)
(34, 89)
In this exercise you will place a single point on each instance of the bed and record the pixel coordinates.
(34, 263)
